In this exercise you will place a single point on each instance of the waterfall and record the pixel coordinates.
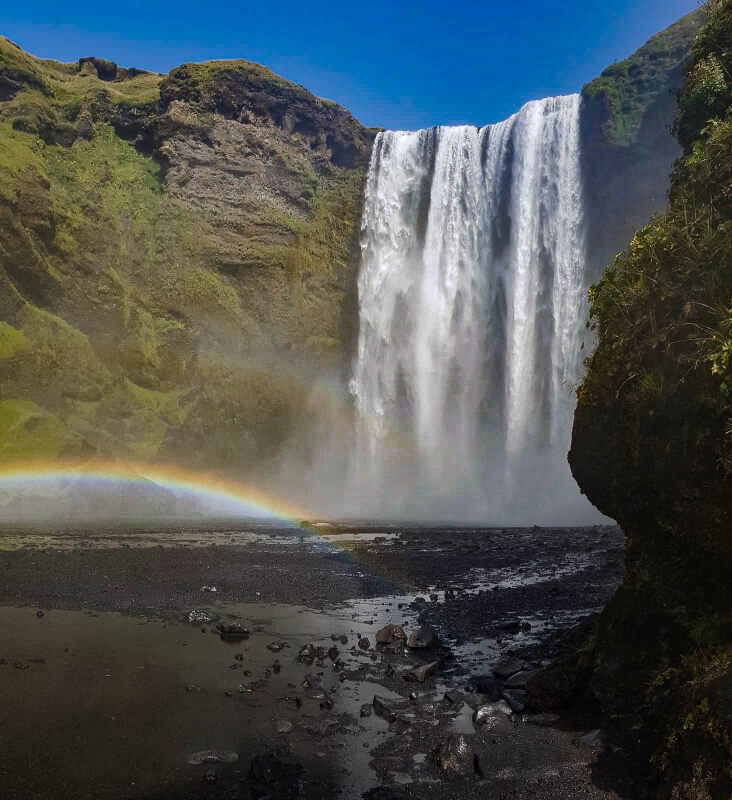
(471, 311)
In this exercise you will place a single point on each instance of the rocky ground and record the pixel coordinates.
(384, 662)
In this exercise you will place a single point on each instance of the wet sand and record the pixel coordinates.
(124, 676)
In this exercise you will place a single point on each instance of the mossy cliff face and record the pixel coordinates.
(652, 448)
(627, 145)
(177, 257)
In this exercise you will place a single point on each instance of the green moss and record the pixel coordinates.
(28, 433)
(324, 239)
(12, 341)
(629, 87)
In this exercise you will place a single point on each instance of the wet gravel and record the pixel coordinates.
(487, 593)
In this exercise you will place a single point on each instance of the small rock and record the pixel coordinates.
(384, 708)
(210, 777)
(209, 589)
(391, 634)
(232, 632)
(307, 654)
(423, 637)
(420, 674)
(212, 757)
(333, 653)
(275, 647)
(454, 756)
(39, 614)
(364, 643)
(453, 696)
(283, 726)
(198, 616)
(366, 710)
(490, 715)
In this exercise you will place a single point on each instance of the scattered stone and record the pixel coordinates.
(489, 715)
(453, 696)
(455, 757)
(198, 616)
(364, 643)
(39, 614)
(507, 666)
(307, 654)
(366, 710)
(423, 637)
(420, 674)
(232, 632)
(239, 657)
(283, 726)
(211, 776)
(384, 708)
(275, 647)
(209, 589)
(333, 653)
(276, 667)
(391, 634)
(434, 597)
(212, 757)
(192, 688)
(511, 627)
(519, 679)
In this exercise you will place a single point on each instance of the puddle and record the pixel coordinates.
(107, 706)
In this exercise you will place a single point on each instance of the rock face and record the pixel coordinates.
(177, 258)
(651, 448)
(627, 145)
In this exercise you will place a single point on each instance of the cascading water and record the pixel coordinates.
(472, 310)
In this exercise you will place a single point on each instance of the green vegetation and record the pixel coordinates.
(652, 447)
(118, 297)
(12, 341)
(629, 87)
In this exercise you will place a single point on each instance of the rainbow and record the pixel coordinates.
(243, 500)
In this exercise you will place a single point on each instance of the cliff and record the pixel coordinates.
(652, 448)
(177, 257)
(627, 143)
(178, 253)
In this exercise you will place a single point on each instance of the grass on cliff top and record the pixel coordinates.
(66, 83)
(630, 86)
(200, 79)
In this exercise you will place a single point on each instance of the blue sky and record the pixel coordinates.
(398, 65)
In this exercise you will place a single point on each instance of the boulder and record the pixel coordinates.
(423, 637)
(421, 673)
(454, 756)
(519, 679)
(507, 666)
(391, 634)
